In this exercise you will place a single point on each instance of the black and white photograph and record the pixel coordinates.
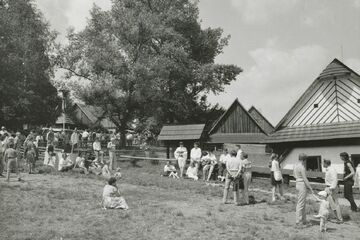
(179, 119)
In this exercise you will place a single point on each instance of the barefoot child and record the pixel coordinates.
(30, 156)
(323, 209)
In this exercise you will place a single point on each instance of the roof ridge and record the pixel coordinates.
(253, 107)
(308, 90)
(227, 110)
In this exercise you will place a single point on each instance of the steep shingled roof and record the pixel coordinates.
(261, 120)
(181, 132)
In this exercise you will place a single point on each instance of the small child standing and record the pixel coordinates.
(10, 156)
(323, 209)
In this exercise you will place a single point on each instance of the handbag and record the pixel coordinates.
(277, 175)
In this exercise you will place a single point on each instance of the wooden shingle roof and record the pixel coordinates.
(261, 120)
(328, 109)
(339, 130)
(181, 132)
(329, 93)
(96, 115)
(244, 138)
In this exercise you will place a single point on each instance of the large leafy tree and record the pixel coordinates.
(26, 93)
(147, 59)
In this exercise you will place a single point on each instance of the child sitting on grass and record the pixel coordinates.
(80, 163)
(323, 209)
(65, 163)
(170, 170)
(192, 171)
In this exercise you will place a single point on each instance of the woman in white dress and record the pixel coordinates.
(112, 198)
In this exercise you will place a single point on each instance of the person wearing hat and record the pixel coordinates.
(302, 187)
(324, 206)
(111, 146)
(331, 181)
(112, 198)
(181, 156)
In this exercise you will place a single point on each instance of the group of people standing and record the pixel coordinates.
(233, 167)
(10, 151)
(328, 198)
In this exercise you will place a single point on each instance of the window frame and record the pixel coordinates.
(318, 159)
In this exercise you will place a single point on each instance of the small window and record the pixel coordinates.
(313, 164)
(355, 158)
(316, 105)
(358, 100)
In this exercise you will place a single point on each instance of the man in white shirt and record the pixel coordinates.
(331, 181)
(181, 156)
(238, 151)
(85, 137)
(195, 155)
(74, 139)
(97, 149)
(233, 169)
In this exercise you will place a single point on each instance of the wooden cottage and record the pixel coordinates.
(171, 135)
(91, 116)
(238, 126)
(324, 122)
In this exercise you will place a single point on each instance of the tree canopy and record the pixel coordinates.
(26, 93)
(148, 59)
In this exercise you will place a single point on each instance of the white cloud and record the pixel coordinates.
(261, 11)
(354, 64)
(63, 14)
(276, 79)
(357, 3)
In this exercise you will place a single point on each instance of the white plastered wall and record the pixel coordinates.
(327, 152)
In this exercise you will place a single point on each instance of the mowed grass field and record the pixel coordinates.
(67, 206)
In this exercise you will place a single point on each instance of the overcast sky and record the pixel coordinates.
(282, 45)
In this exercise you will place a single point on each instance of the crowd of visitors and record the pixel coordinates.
(21, 150)
(233, 167)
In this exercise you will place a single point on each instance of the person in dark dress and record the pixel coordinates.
(349, 173)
